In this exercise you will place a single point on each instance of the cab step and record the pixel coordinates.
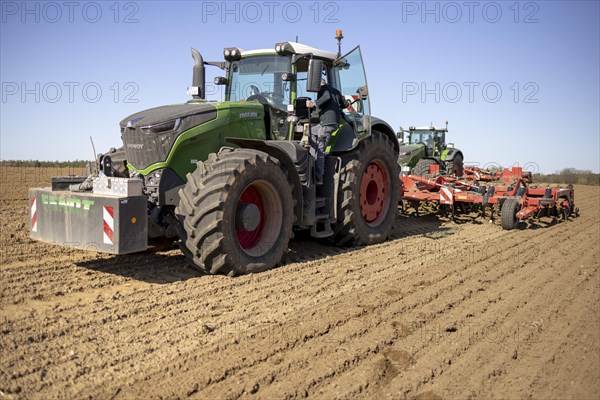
(322, 227)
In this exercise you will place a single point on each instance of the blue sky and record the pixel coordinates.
(517, 81)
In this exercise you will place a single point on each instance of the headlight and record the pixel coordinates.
(162, 127)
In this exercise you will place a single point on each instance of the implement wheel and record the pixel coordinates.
(508, 213)
(368, 195)
(236, 213)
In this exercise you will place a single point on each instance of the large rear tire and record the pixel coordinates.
(236, 213)
(368, 194)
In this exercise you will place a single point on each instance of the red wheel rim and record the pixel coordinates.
(374, 193)
(249, 239)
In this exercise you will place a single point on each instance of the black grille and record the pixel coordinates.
(143, 147)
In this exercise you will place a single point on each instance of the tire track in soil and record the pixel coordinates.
(316, 327)
(500, 337)
(354, 393)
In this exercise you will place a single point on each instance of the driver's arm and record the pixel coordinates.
(325, 97)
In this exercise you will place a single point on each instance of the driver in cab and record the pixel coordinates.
(329, 103)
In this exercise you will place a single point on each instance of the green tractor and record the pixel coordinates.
(233, 180)
(427, 146)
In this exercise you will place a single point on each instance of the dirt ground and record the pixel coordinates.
(443, 310)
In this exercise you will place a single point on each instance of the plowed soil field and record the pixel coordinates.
(443, 310)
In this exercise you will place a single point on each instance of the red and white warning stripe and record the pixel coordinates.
(446, 195)
(109, 224)
(33, 215)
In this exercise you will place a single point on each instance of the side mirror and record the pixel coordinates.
(300, 107)
(220, 80)
(363, 92)
(313, 80)
(400, 135)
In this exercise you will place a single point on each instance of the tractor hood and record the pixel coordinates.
(408, 151)
(149, 135)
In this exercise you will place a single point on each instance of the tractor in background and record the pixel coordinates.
(427, 146)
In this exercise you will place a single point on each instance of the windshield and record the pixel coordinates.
(259, 78)
(421, 136)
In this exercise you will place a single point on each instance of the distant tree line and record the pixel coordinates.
(569, 175)
(43, 164)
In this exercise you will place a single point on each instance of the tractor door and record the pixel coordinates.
(351, 81)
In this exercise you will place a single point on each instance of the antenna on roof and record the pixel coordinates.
(296, 38)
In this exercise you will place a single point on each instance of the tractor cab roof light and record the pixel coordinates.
(284, 48)
(232, 53)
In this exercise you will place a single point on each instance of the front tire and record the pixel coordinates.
(422, 167)
(456, 167)
(369, 193)
(236, 212)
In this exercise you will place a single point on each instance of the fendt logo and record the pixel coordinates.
(135, 146)
(249, 114)
(67, 204)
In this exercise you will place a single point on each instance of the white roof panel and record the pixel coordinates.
(299, 48)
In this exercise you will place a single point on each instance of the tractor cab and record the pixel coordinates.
(283, 78)
(427, 146)
(431, 138)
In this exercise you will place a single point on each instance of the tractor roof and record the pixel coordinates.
(428, 128)
(298, 48)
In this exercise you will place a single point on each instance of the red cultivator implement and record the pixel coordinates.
(508, 193)
(506, 175)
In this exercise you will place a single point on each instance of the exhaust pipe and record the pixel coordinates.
(198, 77)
